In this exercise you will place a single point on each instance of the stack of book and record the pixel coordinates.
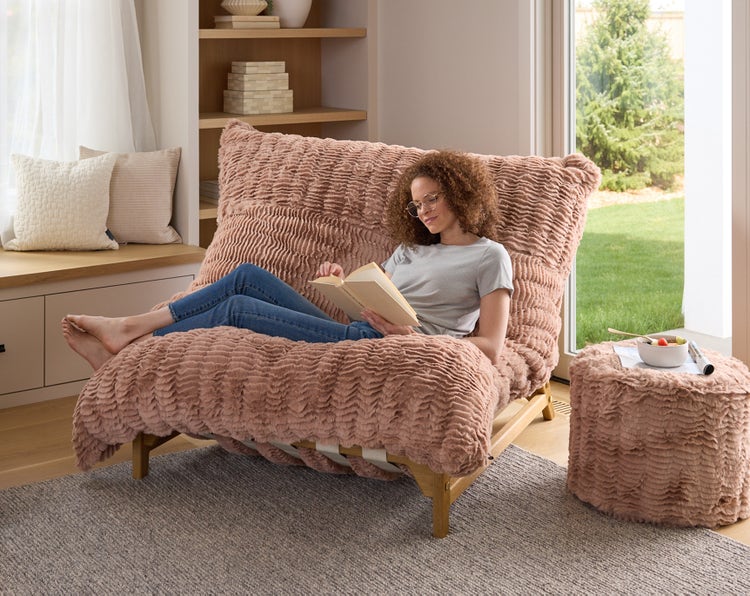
(246, 22)
(258, 88)
(209, 191)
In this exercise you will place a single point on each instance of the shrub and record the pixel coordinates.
(629, 99)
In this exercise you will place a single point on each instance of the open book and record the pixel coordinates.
(367, 287)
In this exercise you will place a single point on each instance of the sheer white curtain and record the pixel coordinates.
(70, 74)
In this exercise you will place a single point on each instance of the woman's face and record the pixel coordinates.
(436, 215)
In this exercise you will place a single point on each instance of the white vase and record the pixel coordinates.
(292, 13)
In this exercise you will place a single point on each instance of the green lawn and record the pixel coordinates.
(629, 270)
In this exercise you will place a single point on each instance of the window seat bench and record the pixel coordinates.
(38, 288)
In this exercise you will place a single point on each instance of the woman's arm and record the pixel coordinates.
(494, 311)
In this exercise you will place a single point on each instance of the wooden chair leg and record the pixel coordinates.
(441, 504)
(436, 487)
(143, 444)
(140, 457)
(548, 413)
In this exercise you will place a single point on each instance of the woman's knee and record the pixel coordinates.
(248, 275)
(248, 271)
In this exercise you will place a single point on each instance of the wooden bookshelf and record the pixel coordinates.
(300, 49)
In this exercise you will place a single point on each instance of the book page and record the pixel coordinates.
(332, 287)
(373, 272)
(378, 298)
(372, 287)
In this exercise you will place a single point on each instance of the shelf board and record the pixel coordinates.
(207, 210)
(31, 267)
(281, 33)
(303, 116)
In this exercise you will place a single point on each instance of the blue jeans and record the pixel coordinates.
(252, 298)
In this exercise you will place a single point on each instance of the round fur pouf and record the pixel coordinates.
(660, 446)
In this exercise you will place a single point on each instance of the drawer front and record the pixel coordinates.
(63, 365)
(22, 338)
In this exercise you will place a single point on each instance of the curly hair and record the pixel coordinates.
(466, 185)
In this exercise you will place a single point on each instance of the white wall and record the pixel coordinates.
(349, 67)
(708, 165)
(740, 181)
(169, 45)
(454, 75)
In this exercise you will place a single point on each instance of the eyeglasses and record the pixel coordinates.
(428, 204)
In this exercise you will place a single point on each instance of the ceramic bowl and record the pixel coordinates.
(248, 8)
(662, 356)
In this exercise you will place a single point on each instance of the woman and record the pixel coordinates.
(447, 266)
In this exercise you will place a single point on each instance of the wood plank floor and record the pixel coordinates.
(35, 445)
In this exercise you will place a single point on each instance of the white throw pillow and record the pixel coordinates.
(140, 195)
(62, 205)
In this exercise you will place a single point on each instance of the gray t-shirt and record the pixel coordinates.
(444, 283)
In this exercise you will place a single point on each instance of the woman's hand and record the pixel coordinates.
(330, 269)
(386, 328)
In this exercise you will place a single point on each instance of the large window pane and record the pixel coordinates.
(652, 110)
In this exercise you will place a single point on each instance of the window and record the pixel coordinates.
(708, 157)
(71, 75)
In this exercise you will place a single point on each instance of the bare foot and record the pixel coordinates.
(85, 345)
(111, 332)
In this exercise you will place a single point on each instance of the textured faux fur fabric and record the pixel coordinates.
(289, 203)
(660, 446)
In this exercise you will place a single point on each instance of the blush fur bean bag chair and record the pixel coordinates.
(425, 405)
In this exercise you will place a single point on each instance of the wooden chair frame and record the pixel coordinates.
(442, 488)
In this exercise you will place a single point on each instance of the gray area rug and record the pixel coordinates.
(210, 522)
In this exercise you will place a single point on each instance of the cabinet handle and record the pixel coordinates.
(2, 348)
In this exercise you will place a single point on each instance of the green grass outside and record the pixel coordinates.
(629, 270)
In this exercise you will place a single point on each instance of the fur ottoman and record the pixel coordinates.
(658, 446)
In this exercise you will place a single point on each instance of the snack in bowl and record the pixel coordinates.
(664, 356)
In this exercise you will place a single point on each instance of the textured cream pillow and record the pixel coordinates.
(61, 205)
(141, 191)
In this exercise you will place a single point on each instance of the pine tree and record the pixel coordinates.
(629, 99)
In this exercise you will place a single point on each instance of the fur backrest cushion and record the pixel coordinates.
(288, 203)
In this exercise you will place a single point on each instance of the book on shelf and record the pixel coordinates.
(367, 287)
(258, 88)
(258, 102)
(258, 81)
(267, 67)
(269, 94)
(246, 22)
(209, 191)
(247, 25)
